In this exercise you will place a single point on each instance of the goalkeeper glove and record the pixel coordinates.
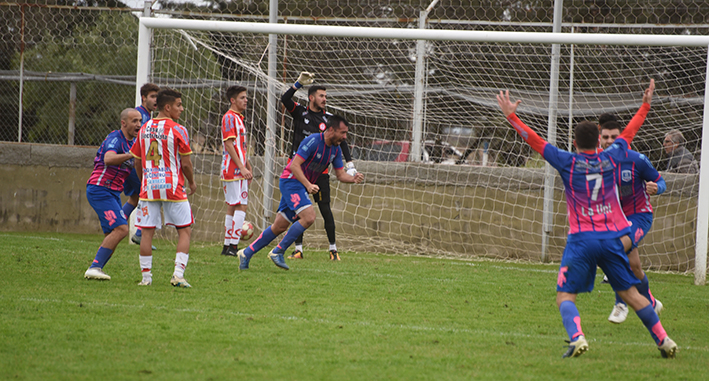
(304, 79)
(350, 169)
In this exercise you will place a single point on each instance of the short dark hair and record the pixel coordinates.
(148, 88)
(233, 91)
(612, 125)
(586, 135)
(166, 96)
(607, 117)
(335, 120)
(676, 137)
(314, 88)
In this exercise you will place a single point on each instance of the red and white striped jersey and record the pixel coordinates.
(159, 146)
(233, 128)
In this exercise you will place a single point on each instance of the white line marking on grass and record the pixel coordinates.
(362, 323)
(32, 237)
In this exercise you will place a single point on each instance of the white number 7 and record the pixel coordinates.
(598, 178)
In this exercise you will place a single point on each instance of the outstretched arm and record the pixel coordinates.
(634, 126)
(508, 108)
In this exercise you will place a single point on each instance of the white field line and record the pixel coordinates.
(362, 323)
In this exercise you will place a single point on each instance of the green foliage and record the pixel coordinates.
(366, 317)
(90, 49)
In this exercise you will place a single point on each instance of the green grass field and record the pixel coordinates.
(367, 317)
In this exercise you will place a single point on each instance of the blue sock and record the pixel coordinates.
(644, 290)
(652, 323)
(128, 209)
(618, 299)
(264, 239)
(102, 257)
(291, 235)
(571, 319)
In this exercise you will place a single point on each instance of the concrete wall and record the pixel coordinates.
(402, 208)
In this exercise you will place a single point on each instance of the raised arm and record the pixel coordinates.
(508, 108)
(304, 79)
(634, 126)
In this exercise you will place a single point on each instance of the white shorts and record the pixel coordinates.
(177, 214)
(236, 192)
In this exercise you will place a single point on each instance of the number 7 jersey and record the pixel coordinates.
(159, 145)
(590, 184)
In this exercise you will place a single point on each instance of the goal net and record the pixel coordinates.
(478, 189)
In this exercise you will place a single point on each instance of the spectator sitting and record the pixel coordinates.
(680, 159)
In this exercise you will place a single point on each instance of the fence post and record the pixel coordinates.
(22, 73)
(72, 113)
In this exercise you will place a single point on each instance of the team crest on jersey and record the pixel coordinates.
(318, 156)
(626, 175)
(322, 126)
(306, 120)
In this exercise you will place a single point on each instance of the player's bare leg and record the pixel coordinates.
(146, 256)
(183, 248)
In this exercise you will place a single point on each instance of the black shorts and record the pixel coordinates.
(323, 194)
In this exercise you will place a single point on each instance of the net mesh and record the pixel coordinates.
(479, 190)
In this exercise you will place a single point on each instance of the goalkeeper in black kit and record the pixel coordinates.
(308, 121)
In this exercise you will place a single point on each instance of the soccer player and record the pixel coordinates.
(306, 122)
(148, 97)
(298, 179)
(235, 169)
(163, 164)
(112, 164)
(598, 234)
(638, 181)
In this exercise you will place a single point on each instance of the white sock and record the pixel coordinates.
(333, 247)
(180, 264)
(239, 217)
(146, 265)
(228, 229)
(299, 247)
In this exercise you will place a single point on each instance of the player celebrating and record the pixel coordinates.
(638, 181)
(112, 164)
(598, 234)
(148, 97)
(308, 121)
(236, 169)
(163, 163)
(314, 156)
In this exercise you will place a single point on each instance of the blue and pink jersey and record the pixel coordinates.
(111, 176)
(590, 183)
(144, 114)
(634, 170)
(317, 156)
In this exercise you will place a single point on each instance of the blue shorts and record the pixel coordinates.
(294, 198)
(577, 272)
(641, 224)
(107, 204)
(131, 187)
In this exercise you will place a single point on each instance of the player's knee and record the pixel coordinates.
(306, 221)
(121, 231)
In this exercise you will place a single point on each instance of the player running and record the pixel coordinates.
(306, 122)
(162, 153)
(314, 156)
(235, 169)
(638, 181)
(112, 165)
(598, 234)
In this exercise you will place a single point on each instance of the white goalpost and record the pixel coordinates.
(488, 208)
